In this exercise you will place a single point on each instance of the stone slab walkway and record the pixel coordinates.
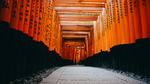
(77, 74)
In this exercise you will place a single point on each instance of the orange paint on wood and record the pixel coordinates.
(103, 32)
(5, 10)
(37, 9)
(44, 22)
(71, 53)
(82, 54)
(131, 21)
(118, 22)
(126, 23)
(27, 17)
(15, 14)
(74, 56)
(22, 15)
(32, 18)
(40, 21)
(52, 28)
(110, 24)
(101, 39)
(107, 27)
(48, 25)
(115, 22)
(148, 12)
(122, 29)
(66, 51)
(98, 27)
(87, 46)
(144, 19)
(104, 38)
(104, 43)
(137, 19)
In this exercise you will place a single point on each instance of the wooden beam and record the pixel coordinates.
(86, 11)
(86, 23)
(73, 36)
(78, 5)
(77, 26)
(79, 9)
(84, 0)
(78, 16)
(75, 29)
(79, 13)
(75, 32)
(77, 19)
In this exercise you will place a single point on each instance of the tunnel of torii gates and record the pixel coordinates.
(75, 29)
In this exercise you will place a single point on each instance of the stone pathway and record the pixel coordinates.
(77, 74)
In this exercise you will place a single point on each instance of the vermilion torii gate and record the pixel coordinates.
(115, 34)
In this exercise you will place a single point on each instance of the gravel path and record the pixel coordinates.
(35, 78)
(78, 74)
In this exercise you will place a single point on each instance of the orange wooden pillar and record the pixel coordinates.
(49, 23)
(65, 50)
(137, 19)
(148, 12)
(32, 16)
(104, 41)
(44, 17)
(110, 23)
(40, 21)
(122, 29)
(69, 52)
(53, 12)
(98, 35)
(56, 32)
(126, 23)
(61, 50)
(144, 19)
(59, 37)
(97, 51)
(90, 44)
(45, 22)
(131, 21)
(114, 26)
(5, 10)
(35, 29)
(117, 16)
(87, 46)
(104, 32)
(101, 30)
(74, 55)
(82, 54)
(22, 15)
(116, 22)
(93, 43)
(107, 28)
(95, 37)
(27, 17)
(15, 14)
(72, 52)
